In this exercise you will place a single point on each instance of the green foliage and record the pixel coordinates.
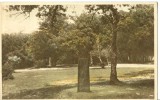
(7, 71)
(137, 33)
(38, 46)
(8, 67)
(40, 63)
(41, 46)
(81, 37)
(11, 43)
(91, 32)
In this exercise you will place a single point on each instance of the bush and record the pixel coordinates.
(8, 67)
(7, 70)
(21, 59)
(40, 63)
(25, 62)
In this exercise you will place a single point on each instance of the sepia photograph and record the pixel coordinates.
(79, 50)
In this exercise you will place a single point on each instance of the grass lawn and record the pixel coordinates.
(137, 83)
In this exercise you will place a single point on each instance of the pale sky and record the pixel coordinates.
(13, 24)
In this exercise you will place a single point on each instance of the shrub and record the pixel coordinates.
(8, 67)
(40, 63)
(7, 71)
(25, 62)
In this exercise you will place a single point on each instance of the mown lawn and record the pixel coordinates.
(136, 83)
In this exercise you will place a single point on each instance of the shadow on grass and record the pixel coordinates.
(66, 65)
(123, 96)
(51, 92)
(144, 72)
(95, 68)
(145, 86)
(139, 89)
(48, 92)
(135, 83)
(98, 67)
(142, 83)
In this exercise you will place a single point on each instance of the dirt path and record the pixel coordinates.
(135, 65)
(118, 66)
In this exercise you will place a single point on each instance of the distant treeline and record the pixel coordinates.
(20, 45)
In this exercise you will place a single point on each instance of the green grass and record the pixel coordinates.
(136, 83)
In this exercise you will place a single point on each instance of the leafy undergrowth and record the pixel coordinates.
(134, 85)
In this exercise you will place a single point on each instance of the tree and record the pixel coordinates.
(111, 17)
(84, 48)
(101, 46)
(81, 39)
(100, 36)
(137, 33)
(37, 46)
(53, 37)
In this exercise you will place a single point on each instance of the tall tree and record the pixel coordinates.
(81, 37)
(111, 16)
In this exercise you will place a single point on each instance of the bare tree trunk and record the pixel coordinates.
(99, 53)
(49, 62)
(99, 57)
(54, 62)
(107, 61)
(101, 62)
(91, 59)
(113, 75)
(83, 72)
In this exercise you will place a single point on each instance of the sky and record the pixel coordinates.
(14, 24)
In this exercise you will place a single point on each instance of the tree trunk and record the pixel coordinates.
(101, 62)
(107, 61)
(54, 62)
(91, 60)
(99, 57)
(83, 72)
(113, 75)
(49, 62)
(99, 53)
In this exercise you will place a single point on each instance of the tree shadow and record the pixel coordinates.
(145, 87)
(52, 91)
(95, 68)
(141, 83)
(144, 72)
(130, 83)
(66, 65)
(48, 92)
